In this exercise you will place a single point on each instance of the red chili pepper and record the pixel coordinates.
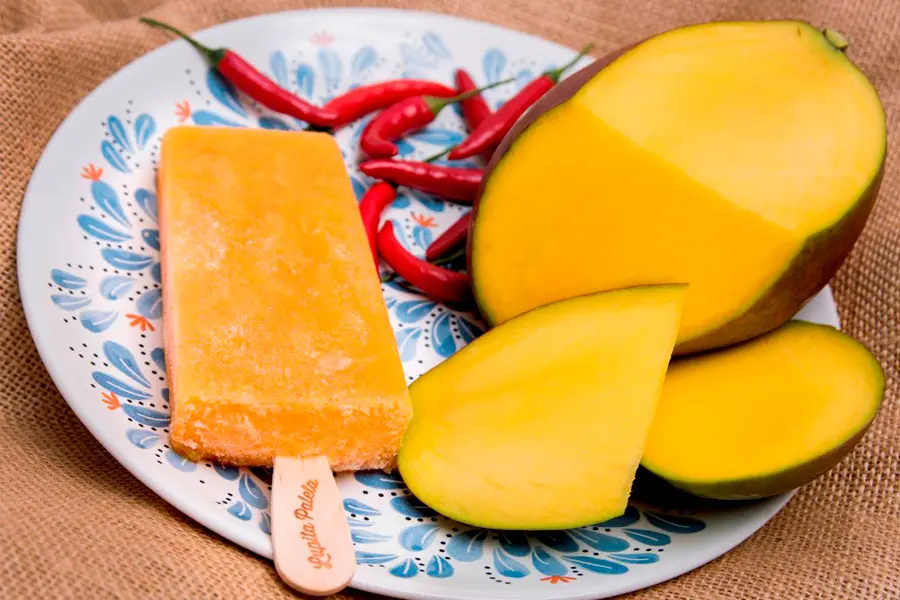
(374, 201)
(251, 81)
(454, 237)
(492, 130)
(377, 198)
(405, 117)
(437, 282)
(475, 109)
(366, 99)
(451, 183)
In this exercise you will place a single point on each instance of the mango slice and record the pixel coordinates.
(766, 416)
(740, 158)
(540, 423)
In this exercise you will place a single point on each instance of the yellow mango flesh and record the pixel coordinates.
(766, 416)
(540, 423)
(710, 155)
(771, 117)
(616, 244)
(277, 338)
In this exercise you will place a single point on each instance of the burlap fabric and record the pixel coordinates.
(74, 524)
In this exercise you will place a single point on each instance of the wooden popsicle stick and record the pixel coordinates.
(310, 537)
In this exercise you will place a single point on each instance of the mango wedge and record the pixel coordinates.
(541, 422)
(766, 416)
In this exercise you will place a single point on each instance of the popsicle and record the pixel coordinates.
(278, 342)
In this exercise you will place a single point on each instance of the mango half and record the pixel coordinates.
(740, 158)
(540, 423)
(766, 416)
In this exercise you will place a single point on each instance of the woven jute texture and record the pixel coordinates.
(75, 524)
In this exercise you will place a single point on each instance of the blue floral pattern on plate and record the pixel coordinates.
(437, 547)
(123, 228)
(101, 288)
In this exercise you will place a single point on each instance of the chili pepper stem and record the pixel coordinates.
(555, 74)
(436, 104)
(213, 55)
(440, 154)
(450, 258)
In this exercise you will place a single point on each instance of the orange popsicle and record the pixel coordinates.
(277, 338)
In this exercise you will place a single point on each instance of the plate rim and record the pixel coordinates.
(154, 479)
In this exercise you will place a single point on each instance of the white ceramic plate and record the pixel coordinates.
(89, 277)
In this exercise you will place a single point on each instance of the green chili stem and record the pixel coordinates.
(557, 73)
(212, 55)
(438, 104)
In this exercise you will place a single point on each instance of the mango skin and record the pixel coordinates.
(764, 486)
(810, 270)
